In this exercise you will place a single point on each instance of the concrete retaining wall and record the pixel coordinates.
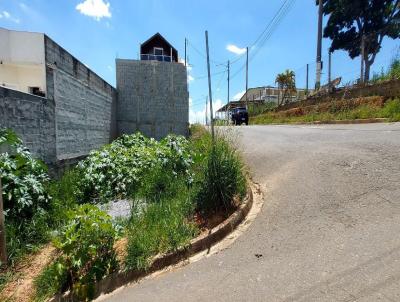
(152, 98)
(83, 117)
(389, 89)
(33, 119)
(85, 104)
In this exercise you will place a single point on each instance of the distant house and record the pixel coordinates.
(153, 95)
(157, 48)
(261, 95)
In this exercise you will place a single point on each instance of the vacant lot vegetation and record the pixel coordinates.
(363, 108)
(169, 185)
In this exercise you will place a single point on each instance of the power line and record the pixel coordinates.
(263, 32)
(268, 31)
(199, 52)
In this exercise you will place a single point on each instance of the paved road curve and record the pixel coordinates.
(329, 229)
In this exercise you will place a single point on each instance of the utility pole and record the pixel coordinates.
(3, 251)
(330, 72)
(185, 53)
(209, 87)
(307, 79)
(229, 78)
(319, 46)
(247, 75)
(362, 58)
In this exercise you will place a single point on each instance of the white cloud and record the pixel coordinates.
(95, 8)
(182, 61)
(6, 15)
(23, 6)
(199, 116)
(236, 50)
(239, 95)
(110, 68)
(190, 78)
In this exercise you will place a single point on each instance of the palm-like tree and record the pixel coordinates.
(287, 83)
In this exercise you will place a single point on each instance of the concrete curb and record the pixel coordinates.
(199, 244)
(335, 122)
(356, 121)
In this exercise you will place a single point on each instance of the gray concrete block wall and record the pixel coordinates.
(85, 104)
(83, 117)
(58, 57)
(152, 98)
(32, 118)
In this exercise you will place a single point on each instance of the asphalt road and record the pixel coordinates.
(329, 229)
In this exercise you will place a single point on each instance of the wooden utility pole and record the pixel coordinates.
(247, 75)
(209, 87)
(206, 110)
(229, 78)
(330, 72)
(307, 79)
(319, 46)
(362, 58)
(185, 53)
(3, 251)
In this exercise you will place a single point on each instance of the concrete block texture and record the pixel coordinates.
(83, 116)
(153, 98)
(33, 119)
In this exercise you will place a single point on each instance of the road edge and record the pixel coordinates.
(333, 122)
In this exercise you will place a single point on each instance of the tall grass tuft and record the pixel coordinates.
(220, 173)
(162, 227)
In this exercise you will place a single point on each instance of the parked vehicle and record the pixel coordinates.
(240, 116)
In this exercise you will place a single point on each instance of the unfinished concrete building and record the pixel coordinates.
(153, 95)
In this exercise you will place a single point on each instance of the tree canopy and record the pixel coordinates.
(353, 23)
(287, 83)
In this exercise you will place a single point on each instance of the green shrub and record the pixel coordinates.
(87, 250)
(65, 194)
(26, 202)
(391, 110)
(394, 70)
(119, 169)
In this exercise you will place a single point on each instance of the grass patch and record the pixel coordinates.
(50, 282)
(329, 112)
(164, 226)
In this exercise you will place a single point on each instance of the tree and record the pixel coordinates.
(287, 83)
(359, 26)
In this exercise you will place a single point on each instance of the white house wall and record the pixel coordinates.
(22, 60)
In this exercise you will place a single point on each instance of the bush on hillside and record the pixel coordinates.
(86, 244)
(26, 201)
(119, 169)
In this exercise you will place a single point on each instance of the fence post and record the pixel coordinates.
(3, 252)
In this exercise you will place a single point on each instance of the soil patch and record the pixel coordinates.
(21, 288)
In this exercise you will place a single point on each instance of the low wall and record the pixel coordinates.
(33, 119)
(389, 89)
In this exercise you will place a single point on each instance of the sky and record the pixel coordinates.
(99, 31)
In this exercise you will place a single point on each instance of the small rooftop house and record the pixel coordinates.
(157, 48)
